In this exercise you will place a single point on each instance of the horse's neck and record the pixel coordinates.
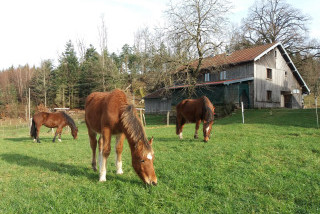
(70, 125)
(134, 135)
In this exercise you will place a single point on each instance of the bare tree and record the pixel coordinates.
(275, 20)
(103, 47)
(196, 27)
(82, 48)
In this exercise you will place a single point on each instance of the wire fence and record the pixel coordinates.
(12, 128)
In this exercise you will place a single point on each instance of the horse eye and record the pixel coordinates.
(142, 161)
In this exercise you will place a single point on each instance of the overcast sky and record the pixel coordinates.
(36, 30)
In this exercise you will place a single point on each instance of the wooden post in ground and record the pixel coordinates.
(242, 110)
(316, 102)
(168, 118)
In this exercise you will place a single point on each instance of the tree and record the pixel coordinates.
(271, 21)
(68, 75)
(40, 83)
(89, 74)
(104, 51)
(196, 27)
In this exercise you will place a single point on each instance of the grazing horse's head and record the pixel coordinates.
(207, 127)
(142, 162)
(74, 133)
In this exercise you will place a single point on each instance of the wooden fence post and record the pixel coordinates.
(242, 110)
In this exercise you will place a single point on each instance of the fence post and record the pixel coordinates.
(316, 102)
(168, 118)
(242, 110)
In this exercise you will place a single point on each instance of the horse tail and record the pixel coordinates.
(179, 118)
(33, 130)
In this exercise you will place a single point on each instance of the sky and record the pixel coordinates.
(35, 30)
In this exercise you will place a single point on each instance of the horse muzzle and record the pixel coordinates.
(151, 182)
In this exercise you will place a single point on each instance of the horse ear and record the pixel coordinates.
(151, 140)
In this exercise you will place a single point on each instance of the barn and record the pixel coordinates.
(263, 76)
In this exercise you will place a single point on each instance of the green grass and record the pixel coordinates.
(270, 164)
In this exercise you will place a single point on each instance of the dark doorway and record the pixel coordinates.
(288, 100)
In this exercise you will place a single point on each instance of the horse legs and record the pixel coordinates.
(58, 131)
(93, 145)
(104, 153)
(179, 125)
(197, 128)
(119, 147)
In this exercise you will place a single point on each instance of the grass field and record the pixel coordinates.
(269, 164)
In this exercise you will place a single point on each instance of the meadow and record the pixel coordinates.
(270, 164)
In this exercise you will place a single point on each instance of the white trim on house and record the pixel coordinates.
(266, 51)
(290, 61)
(238, 80)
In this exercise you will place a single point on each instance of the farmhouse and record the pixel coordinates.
(261, 77)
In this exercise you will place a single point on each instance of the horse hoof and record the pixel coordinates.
(119, 172)
(102, 180)
(196, 137)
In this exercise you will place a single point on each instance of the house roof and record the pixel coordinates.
(236, 57)
(248, 55)
(156, 94)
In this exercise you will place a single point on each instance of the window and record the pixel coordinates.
(285, 74)
(295, 91)
(269, 96)
(207, 77)
(269, 73)
(275, 54)
(223, 75)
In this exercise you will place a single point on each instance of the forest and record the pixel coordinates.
(150, 63)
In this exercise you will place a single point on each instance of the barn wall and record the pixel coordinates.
(282, 82)
(157, 105)
(233, 72)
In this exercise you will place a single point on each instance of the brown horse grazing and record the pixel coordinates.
(52, 120)
(195, 110)
(109, 113)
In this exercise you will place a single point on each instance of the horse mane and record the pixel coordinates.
(133, 125)
(70, 121)
(208, 115)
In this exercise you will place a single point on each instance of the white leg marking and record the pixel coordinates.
(180, 135)
(118, 163)
(103, 176)
(102, 167)
(119, 167)
(59, 139)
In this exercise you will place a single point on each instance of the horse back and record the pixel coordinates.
(190, 109)
(104, 109)
(40, 117)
